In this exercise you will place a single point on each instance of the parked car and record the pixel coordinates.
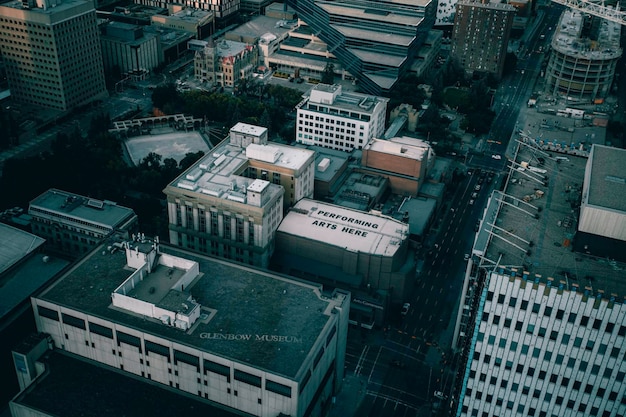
(495, 156)
(477, 187)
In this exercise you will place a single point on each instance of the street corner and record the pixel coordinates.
(348, 400)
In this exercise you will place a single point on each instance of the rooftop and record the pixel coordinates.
(353, 230)
(407, 147)
(280, 155)
(281, 319)
(217, 174)
(15, 245)
(61, 391)
(78, 208)
(48, 7)
(371, 14)
(336, 97)
(602, 43)
(607, 186)
(531, 225)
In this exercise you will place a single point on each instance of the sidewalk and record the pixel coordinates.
(349, 399)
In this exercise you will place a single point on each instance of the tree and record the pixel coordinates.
(265, 119)
(328, 76)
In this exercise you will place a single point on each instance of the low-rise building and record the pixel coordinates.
(201, 23)
(73, 224)
(337, 119)
(225, 62)
(346, 248)
(405, 161)
(232, 200)
(243, 338)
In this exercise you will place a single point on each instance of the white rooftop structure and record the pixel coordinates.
(354, 230)
(279, 155)
(405, 146)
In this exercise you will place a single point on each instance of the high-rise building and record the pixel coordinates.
(224, 10)
(332, 118)
(375, 41)
(481, 35)
(52, 54)
(583, 57)
(541, 327)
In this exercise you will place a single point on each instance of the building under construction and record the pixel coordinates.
(585, 50)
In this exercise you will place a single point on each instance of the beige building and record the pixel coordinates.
(230, 203)
(199, 22)
(51, 50)
(225, 63)
(346, 248)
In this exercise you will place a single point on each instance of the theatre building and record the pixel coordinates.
(242, 338)
(349, 249)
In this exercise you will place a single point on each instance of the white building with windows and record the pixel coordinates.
(335, 119)
(541, 328)
(226, 334)
(231, 201)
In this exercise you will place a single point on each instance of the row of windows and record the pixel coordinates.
(179, 356)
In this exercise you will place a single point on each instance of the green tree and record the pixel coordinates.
(328, 76)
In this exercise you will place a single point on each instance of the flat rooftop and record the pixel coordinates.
(75, 387)
(532, 225)
(353, 230)
(83, 209)
(283, 156)
(16, 244)
(406, 147)
(607, 187)
(238, 301)
(388, 18)
(215, 174)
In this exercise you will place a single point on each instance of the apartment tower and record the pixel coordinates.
(481, 35)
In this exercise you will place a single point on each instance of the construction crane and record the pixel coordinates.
(614, 14)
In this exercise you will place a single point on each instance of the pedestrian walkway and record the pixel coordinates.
(352, 393)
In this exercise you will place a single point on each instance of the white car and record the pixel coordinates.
(466, 257)
(440, 395)
(405, 309)
(495, 156)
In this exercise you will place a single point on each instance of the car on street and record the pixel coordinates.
(474, 195)
(405, 309)
(466, 257)
(440, 395)
(496, 156)
(471, 202)
(477, 187)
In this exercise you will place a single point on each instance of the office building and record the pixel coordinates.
(584, 52)
(223, 10)
(201, 23)
(404, 161)
(72, 224)
(346, 248)
(52, 54)
(541, 326)
(332, 118)
(231, 201)
(481, 36)
(25, 267)
(374, 41)
(130, 50)
(223, 333)
(223, 63)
